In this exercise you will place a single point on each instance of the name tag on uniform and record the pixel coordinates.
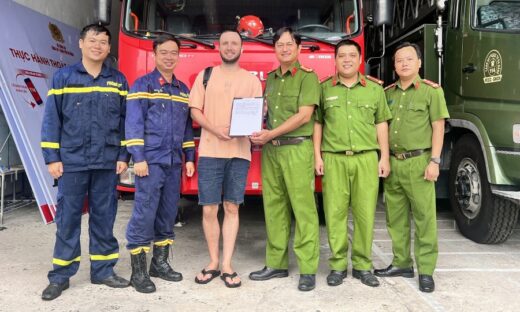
(331, 98)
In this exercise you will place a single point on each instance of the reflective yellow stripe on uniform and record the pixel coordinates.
(188, 144)
(134, 142)
(165, 242)
(86, 90)
(138, 250)
(50, 145)
(64, 262)
(103, 257)
(165, 96)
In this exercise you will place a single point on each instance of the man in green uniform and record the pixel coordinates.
(292, 91)
(416, 137)
(351, 125)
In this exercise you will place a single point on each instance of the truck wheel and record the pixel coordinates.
(481, 216)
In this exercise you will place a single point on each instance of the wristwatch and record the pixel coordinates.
(436, 160)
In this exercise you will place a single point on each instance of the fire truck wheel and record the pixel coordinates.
(481, 216)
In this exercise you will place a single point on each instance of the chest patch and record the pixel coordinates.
(331, 98)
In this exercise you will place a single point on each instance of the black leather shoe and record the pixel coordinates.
(426, 283)
(268, 273)
(392, 271)
(335, 278)
(113, 281)
(307, 282)
(54, 290)
(366, 277)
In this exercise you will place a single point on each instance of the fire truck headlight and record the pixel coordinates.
(516, 133)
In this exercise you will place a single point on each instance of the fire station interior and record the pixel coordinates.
(324, 19)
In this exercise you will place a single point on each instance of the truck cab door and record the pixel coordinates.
(489, 69)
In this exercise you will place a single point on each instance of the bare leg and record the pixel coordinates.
(229, 235)
(212, 233)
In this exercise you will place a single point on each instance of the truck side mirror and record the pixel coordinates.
(104, 8)
(383, 12)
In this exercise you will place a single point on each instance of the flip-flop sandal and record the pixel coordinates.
(213, 273)
(231, 276)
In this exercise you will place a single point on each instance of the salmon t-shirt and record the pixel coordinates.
(216, 102)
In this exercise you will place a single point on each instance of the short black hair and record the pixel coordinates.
(407, 44)
(231, 31)
(164, 38)
(347, 42)
(96, 28)
(296, 37)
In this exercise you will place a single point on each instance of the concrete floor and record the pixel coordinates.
(470, 277)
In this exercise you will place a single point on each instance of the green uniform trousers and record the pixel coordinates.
(288, 183)
(407, 191)
(350, 181)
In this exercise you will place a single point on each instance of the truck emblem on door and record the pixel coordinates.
(493, 67)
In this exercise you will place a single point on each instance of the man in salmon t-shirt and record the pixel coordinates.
(223, 161)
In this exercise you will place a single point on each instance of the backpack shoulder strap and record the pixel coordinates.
(207, 75)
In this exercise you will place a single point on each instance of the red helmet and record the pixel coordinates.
(250, 26)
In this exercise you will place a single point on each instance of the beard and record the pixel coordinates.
(230, 61)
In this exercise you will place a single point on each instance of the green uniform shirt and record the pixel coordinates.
(286, 93)
(349, 115)
(414, 110)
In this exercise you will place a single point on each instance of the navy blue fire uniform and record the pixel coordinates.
(158, 130)
(83, 127)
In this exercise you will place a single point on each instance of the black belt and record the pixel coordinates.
(350, 153)
(289, 141)
(410, 154)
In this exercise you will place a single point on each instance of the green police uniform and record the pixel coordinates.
(350, 162)
(414, 110)
(288, 172)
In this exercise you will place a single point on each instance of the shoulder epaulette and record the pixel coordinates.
(272, 71)
(326, 79)
(390, 86)
(431, 83)
(374, 79)
(306, 69)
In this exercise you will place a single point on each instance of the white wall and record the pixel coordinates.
(76, 13)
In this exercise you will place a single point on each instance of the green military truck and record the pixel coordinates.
(472, 48)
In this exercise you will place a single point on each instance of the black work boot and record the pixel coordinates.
(159, 267)
(140, 279)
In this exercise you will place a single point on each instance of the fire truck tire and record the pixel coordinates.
(481, 216)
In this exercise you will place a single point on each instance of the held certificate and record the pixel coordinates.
(246, 116)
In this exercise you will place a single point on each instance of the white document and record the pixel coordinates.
(246, 116)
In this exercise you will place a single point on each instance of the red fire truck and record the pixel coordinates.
(198, 23)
